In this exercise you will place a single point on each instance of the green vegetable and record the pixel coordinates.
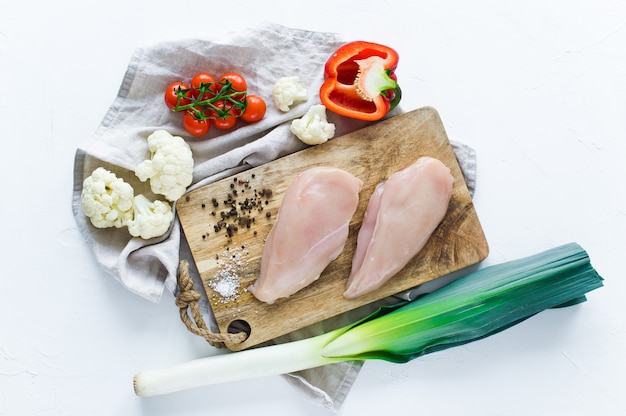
(473, 307)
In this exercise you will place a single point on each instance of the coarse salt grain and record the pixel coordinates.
(226, 282)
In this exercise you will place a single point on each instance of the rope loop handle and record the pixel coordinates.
(187, 301)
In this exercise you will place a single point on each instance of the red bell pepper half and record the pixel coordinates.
(359, 81)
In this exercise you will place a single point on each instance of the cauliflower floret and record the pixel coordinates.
(151, 218)
(288, 91)
(106, 199)
(170, 169)
(313, 127)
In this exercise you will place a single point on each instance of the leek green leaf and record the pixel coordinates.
(475, 306)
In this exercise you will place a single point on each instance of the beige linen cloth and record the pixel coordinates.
(262, 55)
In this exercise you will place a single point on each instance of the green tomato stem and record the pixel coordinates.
(226, 94)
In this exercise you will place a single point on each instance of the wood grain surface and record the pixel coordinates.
(228, 260)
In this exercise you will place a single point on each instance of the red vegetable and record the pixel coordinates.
(205, 101)
(177, 94)
(237, 82)
(255, 109)
(195, 126)
(359, 81)
(203, 81)
(226, 117)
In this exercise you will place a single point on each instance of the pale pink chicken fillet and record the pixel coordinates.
(400, 217)
(311, 230)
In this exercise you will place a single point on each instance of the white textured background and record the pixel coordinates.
(537, 88)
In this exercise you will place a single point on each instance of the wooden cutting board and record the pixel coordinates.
(228, 259)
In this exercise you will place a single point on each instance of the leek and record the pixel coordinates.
(472, 307)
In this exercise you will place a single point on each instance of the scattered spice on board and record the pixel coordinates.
(233, 212)
(237, 211)
(226, 283)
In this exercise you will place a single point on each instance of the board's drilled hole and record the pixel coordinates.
(240, 325)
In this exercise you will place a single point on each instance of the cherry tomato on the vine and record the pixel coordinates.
(237, 80)
(195, 126)
(255, 109)
(225, 123)
(226, 119)
(172, 94)
(206, 101)
(204, 78)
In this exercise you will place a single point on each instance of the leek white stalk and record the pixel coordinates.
(472, 307)
(254, 363)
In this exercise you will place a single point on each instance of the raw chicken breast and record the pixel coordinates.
(311, 230)
(401, 215)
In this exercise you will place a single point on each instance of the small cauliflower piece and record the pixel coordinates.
(170, 168)
(313, 127)
(287, 91)
(150, 219)
(106, 199)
